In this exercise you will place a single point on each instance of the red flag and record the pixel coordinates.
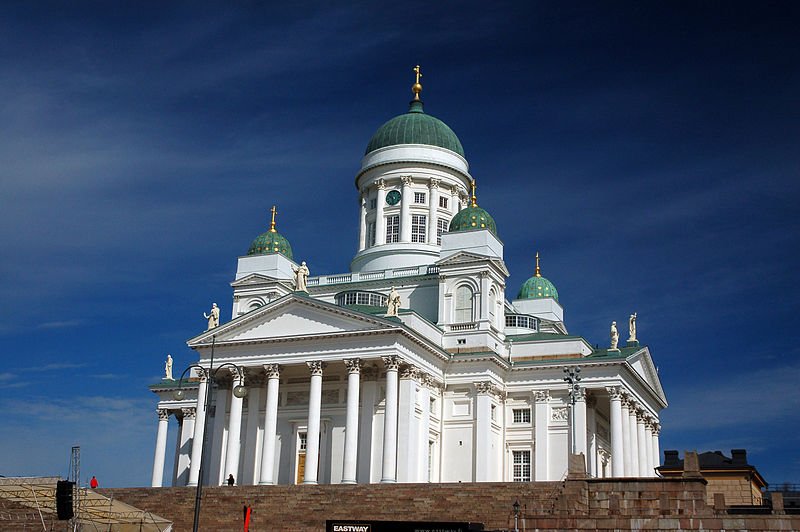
(247, 511)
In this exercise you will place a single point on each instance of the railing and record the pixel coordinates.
(345, 278)
(464, 326)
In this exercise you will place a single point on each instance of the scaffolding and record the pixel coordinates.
(94, 513)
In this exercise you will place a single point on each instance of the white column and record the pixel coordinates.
(252, 450)
(187, 431)
(541, 420)
(483, 432)
(656, 451)
(161, 448)
(617, 422)
(591, 429)
(634, 438)
(484, 295)
(424, 427)
(234, 429)
(199, 429)
(351, 420)
(407, 433)
(176, 459)
(579, 423)
(641, 445)
(627, 455)
(217, 449)
(362, 232)
(648, 444)
(267, 475)
(405, 209)
(433, 203)
(380, 220)
(367, 447)
(389, 466)
(314, 409)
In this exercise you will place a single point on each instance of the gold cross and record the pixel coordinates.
(474, 197)
(274, 211)
(538, 271)
(419, 74)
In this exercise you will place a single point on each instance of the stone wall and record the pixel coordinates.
(586, 504)
(737, 490)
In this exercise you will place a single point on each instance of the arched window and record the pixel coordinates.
(464, 302)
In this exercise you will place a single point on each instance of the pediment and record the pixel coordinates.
(292, 316)
(642, 364)
(463, 258)
(254, 279)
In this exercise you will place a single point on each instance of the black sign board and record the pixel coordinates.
(400, 526)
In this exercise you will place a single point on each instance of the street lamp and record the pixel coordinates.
(572, 377)
(516, 515)
(239, 391)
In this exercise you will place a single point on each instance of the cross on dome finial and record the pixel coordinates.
(416, 88)
(474, 197)
(538, 271)
(274, 211)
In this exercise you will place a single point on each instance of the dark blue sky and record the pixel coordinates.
(649, 151)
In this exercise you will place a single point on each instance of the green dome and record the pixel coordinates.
(270, 242)
(415, 127)
(537, 287)
(472, 217)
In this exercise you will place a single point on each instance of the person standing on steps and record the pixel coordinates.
(93, 483)
(230, 480)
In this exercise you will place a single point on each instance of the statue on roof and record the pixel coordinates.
(632, 328)
(301, 277)
(168, 369)
(393, 303)
(212, 317)
(614, 336)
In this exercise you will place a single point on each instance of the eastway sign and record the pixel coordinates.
(400, 526)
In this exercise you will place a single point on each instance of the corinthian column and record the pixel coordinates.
(389, 468)
(405, 210)
(314, 410)
(270, 424)
(199, 428)
(234, 428)
(161, 448)
(351, 421)
(433, 203)
(617, 424)
(642, 444)
(627, 453)
(187, 430)
(541, 410)
(380, 220)
(362, 226)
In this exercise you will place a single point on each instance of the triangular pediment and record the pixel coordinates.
(254, 279)
(463, 258)
(293, 316)
(642, 364)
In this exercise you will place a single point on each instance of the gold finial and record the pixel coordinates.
(474, 197)
(538, 271)
(416, 88)
(274, 211)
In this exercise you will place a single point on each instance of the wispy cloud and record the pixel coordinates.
(59, 324)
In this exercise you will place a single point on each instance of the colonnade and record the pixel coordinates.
(192, 423)
(634, 437)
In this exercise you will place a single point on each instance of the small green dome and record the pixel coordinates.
(270, 242)
(415, 127)
(537, 287)
(472, 217)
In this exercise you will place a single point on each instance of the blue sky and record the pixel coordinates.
(649, 151)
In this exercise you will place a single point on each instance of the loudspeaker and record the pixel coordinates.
(64, 500)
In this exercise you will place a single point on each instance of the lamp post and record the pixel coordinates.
(516, 515)
(238, 390)
(572, 377)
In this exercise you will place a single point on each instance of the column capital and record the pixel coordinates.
(273, 371)
(615, 393)
(656, 428)
(381, 184)
(189, 413)
(163, 414)
(433, 184)
(237, 374)
(353, 365)
(406, 180)
(484, 387)
(541, 396)
(580, 394)
(316, 367)
(392, 362)
(407, 371)
(201, 373)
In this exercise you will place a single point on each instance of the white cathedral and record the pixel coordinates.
(415, 366)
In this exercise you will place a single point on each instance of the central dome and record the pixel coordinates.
(415, 127)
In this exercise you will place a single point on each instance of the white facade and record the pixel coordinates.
(464, 385)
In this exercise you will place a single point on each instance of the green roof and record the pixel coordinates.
(472, 217)
(537, 287)
(270, 242)
(415, 127)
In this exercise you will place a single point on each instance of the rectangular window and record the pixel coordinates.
(418, 228)
(522, 415)
(303, 439)
(419, 197)
(370, 234)
(392, 229)
(494, 412)
(430, 461)
(441, 227)
(442, 202)
(522, 466)
(373, 204)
